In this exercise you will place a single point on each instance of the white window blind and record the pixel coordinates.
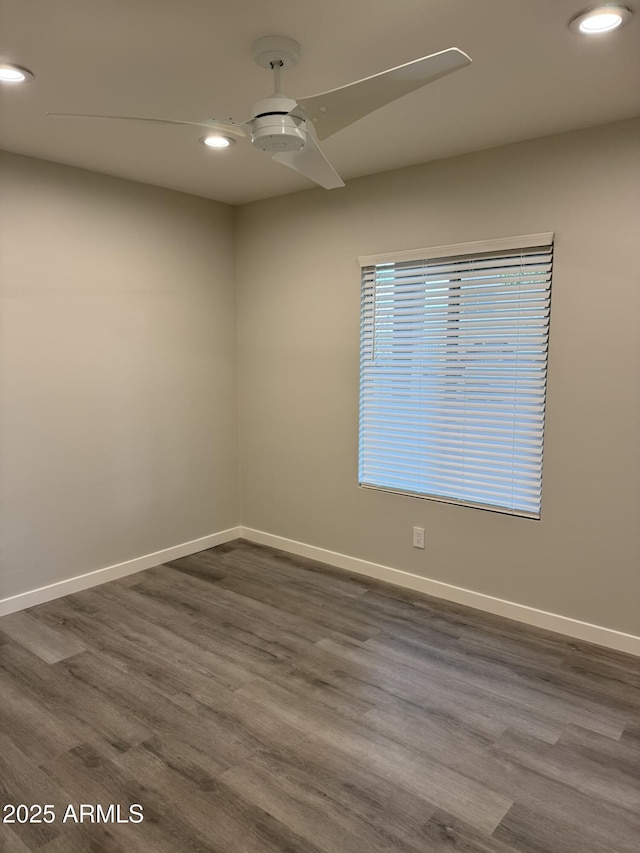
(453, 372)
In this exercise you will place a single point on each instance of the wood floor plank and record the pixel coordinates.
(23, 781)
(87, 839)
(10, 842)
(79, 708)
(316, 684)
(534, 693)
(403, 619)
(433, 782)
(182, 813)
(312, 809)
(529, 831)
(162, 751)
(338, 805)
(43, 641)
(444, 833)
(89, 777)
(553, 800)
(223, 603)
(205, 566)
(32, 726)
(631, 735)
(613, 685)
(156, 712)
(213, 616)
(437, 737)
(293, 601)
(441, 691)
(263, 566)
(257, 702)
(605, 783)
(619, 756)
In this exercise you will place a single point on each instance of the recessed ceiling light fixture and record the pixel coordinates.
(14, 74)
(217, 141)
(600, 19)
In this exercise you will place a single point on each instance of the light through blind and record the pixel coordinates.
(453, 372)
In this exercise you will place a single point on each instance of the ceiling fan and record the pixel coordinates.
(289, 130)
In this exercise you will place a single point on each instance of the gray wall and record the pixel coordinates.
(298, 298)
(118, 385)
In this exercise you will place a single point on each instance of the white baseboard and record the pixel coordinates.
(110, 573)
(510, 609)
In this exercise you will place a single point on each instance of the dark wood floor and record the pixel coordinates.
(255, 702)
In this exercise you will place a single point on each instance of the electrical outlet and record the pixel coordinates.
(418, 537)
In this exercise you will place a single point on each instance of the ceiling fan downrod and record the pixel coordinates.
(276, 67)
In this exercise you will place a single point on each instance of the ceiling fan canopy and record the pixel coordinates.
(289, 129)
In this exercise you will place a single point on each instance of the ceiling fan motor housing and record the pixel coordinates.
(277, 133)
(273, 129)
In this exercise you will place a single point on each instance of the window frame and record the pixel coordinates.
(508, 245)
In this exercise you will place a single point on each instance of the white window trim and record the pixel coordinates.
(504, 244)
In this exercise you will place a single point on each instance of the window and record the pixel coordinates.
(453, 372)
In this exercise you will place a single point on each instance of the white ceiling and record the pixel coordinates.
(191, 60)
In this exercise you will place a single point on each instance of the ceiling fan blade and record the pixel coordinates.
(222, 126)
(311, 163)
(331, 111)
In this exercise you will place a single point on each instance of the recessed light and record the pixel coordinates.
(601, 19)
(14, 74)
(217, 141)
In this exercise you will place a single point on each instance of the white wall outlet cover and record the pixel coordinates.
(418, 537)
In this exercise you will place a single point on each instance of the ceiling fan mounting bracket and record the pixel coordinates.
(270, 51)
